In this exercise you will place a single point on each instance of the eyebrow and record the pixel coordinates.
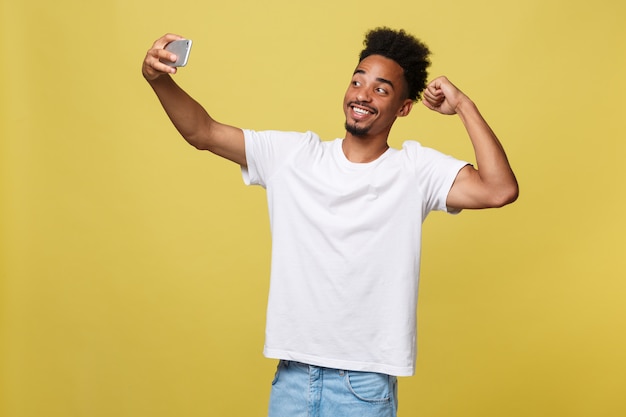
(379, 79)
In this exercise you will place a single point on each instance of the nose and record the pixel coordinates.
(363, 95)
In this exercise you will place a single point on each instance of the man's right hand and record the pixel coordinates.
(152, 67)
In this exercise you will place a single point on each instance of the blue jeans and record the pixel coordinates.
(301, 390)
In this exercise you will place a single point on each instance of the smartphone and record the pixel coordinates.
(181, 49)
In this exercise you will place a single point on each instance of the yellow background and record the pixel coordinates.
(134, 269)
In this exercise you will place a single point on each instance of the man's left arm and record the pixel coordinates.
(492, 183)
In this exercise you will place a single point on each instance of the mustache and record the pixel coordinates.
(364, 105)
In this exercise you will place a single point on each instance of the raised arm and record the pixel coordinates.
(187, 115)
(492, 183)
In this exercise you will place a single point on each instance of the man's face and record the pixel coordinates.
(376, 97)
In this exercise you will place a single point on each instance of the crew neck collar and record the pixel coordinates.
(343, 159)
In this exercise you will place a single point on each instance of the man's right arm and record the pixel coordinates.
(187, 115)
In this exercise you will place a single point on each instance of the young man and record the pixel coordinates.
(346, 220)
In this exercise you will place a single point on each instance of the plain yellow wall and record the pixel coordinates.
(134, 269)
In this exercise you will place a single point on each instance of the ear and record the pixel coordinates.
(407, 105)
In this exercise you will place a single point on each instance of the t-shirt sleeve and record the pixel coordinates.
(435, 173)
(266, 151)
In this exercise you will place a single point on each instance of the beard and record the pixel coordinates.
(357, 130)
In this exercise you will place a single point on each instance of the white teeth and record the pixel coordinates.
(360, 111)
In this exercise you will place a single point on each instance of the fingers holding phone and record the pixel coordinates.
(180, 48)
(166, 54)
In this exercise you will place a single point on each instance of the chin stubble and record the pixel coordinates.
(356, 130)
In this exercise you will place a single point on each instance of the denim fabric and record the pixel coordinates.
(301, 390)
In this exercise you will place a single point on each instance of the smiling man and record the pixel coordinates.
(346, 218)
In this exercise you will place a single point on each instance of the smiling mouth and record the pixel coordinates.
(361, 109)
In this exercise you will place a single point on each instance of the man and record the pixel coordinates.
(346, 220)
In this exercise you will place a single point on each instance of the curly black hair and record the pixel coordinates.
(408, 51)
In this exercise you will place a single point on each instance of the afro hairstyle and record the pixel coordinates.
(406, 50)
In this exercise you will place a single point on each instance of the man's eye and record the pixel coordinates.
(356, 83)
(381, 90)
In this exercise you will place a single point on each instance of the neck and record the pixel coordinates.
(362, 150)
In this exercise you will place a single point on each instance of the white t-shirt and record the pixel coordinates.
(345, 248)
